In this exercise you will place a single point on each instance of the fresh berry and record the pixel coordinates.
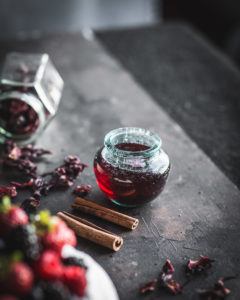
(54, 232)
(24, 238)
(56, 292)
(10, 217)
(46, 291)
(48, 266)
(74, 261)
(75, 279)
(2, 246)
(36, 293)
(59, 236)
(18, 280)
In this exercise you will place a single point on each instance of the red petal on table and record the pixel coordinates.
(148, 287)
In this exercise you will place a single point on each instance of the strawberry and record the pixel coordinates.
(48, 266)
(53, 232)
(58, 237)
(18, 280)
(75, 279)
(10, 217)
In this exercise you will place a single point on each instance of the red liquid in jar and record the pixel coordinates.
(133, 147)
(128, 187)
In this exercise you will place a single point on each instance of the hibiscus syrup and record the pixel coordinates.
(130, 177)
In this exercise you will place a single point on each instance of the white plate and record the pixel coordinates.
(100, 286)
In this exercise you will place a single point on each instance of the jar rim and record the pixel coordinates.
(111, 137)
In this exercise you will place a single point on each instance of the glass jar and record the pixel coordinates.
(131, 168)
(30, 92)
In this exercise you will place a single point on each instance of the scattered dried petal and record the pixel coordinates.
(200, 265)
(30, 205)
(32, 152)
(166, 280)
(82, 190)
(23, 185)
(21, 157)
(174, 287)
(219, 291)
(8, 191)
(167, 271)
(66, 174)
(168, 268)
(30, 202)
(148, 287)
(62, 177)
(15, 152)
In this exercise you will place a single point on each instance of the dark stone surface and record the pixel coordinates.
(198, 212)
(197, 85)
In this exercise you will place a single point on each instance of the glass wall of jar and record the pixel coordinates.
(30, 92)
(131, 168)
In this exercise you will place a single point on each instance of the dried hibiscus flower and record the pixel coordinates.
(18, 117)
(200, 265)
(218, 292)
(148, 287)
(174, 287)
(62, 177)
(8, 191)
(168, 269)
(82, 190)
(22, 185)
(166, 280)
(21, 157)
(66, 174)
(31, 152)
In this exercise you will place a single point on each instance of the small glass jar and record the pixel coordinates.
(131, 168)
(30, 92)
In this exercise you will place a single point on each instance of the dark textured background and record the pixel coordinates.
(198, 212)
(187, 79)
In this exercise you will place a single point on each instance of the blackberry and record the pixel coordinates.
(47, 291)
(74, 261)
(2, 246)
(37, 293)
(24, 238)
(56, 292)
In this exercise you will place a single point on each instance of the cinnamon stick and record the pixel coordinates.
(105, 213)
(92, 232)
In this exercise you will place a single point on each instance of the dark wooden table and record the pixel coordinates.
(198, 212)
